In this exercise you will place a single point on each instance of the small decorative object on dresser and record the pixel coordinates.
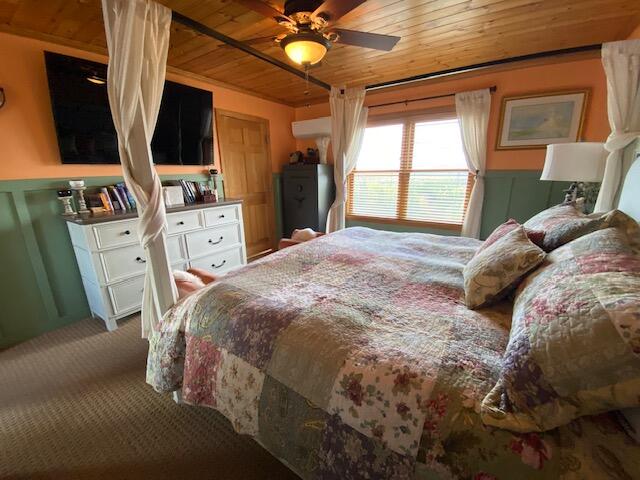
(213, 195)
(172, 195)
(65, 197)
(78, 187)
(534, 121)
(112, 262)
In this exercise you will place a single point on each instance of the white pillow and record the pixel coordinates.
(303, 235)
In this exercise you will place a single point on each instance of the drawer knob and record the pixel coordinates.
(127, 232)
(216, 242)
(180, 222)
(218, 266)
(140, 260)
(221, 215)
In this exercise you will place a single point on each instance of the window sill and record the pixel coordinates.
(414, 223)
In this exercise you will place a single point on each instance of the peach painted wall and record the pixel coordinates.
(570, 75)
(28, 145)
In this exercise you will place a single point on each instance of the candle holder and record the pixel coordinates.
(65, 197)
(78, 187)
(213, 177)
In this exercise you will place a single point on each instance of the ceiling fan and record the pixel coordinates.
(310, 31)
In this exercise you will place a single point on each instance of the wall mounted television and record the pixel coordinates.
(82, 117)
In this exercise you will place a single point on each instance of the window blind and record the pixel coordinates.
(412, 172)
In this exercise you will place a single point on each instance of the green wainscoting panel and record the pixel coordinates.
(40, 285)
(517, 194)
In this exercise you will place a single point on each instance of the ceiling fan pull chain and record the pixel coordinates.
(306, 79)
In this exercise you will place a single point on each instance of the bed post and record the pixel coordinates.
(143, 171)
(137, 33)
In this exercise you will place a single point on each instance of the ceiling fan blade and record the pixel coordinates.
(332, 10)
(265, 10)
(364, 39)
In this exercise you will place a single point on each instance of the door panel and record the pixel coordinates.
(246, 165)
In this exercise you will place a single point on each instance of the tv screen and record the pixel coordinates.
(78, 89)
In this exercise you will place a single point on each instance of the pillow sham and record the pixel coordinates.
(562, 223)
(493, 273)
(536, 236)
(574, 347)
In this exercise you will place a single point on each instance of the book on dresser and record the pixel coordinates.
(112, 261)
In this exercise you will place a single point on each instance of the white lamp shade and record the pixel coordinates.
(574, 162)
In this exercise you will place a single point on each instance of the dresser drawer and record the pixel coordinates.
(183, 222)
(221, 215)
(127, 295)
(212, 240)
(128, 261)
(220, 262)
(116, 234)
(123, 262)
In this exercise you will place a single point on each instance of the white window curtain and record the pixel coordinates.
(348, 122)
(472, 109)
(621, 61)
(138, 40)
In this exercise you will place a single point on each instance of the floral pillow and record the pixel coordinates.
(574, 347)
(566, 222)
(492, 273)
(536, 236)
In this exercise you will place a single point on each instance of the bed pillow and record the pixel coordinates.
(566, 222)
(496, 271)
(536, 236)
(574, 347)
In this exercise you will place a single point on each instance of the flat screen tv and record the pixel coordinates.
(78, 89)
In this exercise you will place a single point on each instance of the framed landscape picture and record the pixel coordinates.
(535, 121)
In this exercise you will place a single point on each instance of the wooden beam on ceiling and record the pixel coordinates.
(199, 27)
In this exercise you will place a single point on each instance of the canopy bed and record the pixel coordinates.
(369, 354)
(355, 356)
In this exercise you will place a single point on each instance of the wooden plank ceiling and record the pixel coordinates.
(436, 35)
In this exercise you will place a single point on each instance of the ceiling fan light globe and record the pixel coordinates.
(305, 49)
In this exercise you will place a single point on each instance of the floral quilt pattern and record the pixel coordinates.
(353, 356)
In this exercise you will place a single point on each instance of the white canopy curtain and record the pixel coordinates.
(472, 110)
(621, 61)
(348, 122)
(138, 41)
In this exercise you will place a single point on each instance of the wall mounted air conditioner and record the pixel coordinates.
(314, 128)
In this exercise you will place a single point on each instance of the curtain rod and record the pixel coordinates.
(479, 66)
(432, 97)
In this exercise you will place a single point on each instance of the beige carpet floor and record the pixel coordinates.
(74, 405)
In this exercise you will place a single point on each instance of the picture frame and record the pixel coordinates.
(537, 120)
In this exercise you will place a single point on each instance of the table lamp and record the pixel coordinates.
(578, 163)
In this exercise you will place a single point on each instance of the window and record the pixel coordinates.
(410, 171)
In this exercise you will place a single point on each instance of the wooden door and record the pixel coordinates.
(246, 169)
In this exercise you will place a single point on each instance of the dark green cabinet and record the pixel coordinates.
(307, 194)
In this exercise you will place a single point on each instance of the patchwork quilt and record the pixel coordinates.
(353, 356)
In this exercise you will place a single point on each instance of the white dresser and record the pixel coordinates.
(112, 262)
